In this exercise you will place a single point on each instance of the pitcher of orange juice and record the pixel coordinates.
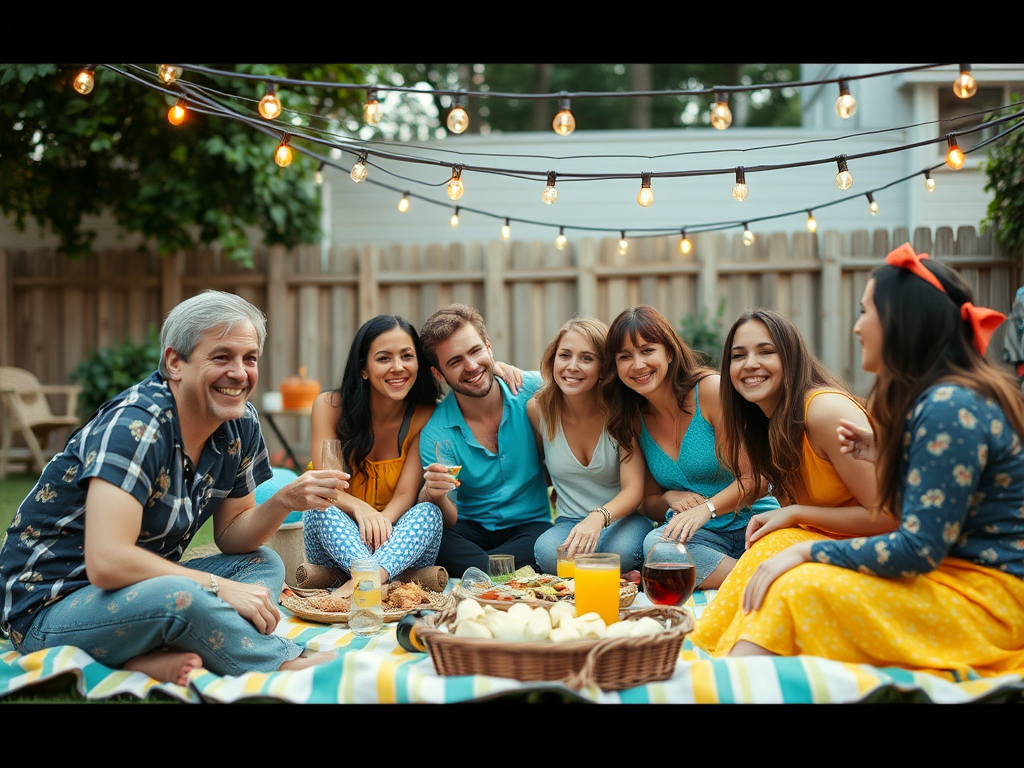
(597, 585)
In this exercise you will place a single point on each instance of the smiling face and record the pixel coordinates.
(868, 329)
(755, 366)
(642, 366)
(576, 367)
(213, 385)
(466, 363)
(391, 364)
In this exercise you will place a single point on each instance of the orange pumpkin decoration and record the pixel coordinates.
(298, 392)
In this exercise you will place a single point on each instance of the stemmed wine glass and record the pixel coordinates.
(445, 452)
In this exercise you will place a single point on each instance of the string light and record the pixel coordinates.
(748, 236)
(359, 172)
(270, 105)
(458, 119)
(646, 195)
(846, 105)
(371, 109)
(844, 179)
(318, 174)
(685, 246)
(721, 115)
(812, 223)
(403, 204)
(168, 72)
(561, 241)
(176, 115)
(965, 85)
(85, 80)
(550, 194)
(954, 155)
(623, 243)
(506, 230)
(564, 123)
(455, 188)
(872, 205)
(454, 220)
(283, 155)
(929, 182)
(739, 189)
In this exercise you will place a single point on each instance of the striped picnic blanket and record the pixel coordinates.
(377, 670)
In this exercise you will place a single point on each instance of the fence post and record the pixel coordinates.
(369, 295)
(586, 282)
(831, 278)
(495, 307)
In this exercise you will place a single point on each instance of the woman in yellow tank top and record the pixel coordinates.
(782, 406)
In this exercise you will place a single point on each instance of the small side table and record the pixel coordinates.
(271, 414)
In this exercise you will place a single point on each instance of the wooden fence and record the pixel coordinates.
(55, 310)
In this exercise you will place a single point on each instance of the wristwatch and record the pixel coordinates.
(214, 587)
(711, 508)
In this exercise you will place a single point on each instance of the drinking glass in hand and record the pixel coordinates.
(668, 575)
(445, 452)
(331, 457)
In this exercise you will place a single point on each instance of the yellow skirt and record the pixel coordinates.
(959, 619)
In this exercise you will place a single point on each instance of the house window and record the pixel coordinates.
(958, 115)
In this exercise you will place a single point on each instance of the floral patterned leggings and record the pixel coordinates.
(332, 539)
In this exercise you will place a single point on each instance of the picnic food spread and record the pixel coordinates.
(527, 586)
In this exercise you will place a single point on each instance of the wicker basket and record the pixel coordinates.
(612, 663)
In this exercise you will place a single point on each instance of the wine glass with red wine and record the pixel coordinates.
(668, 575)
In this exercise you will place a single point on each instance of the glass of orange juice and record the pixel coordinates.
(566, 564)
(597, 585)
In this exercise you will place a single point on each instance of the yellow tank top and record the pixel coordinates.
(822, 485)
(378, 485)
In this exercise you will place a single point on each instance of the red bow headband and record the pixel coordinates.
(983, 321)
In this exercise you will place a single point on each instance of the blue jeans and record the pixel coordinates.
(115, 626)
(624, 537)
(707, 548)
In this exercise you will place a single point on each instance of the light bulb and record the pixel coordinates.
(564, 123)
(844, 179)
(561, 241)
(176, 115)
(550, 194)
(646, 195)
(929, 182)
(168, 72)
(283, 155)
(85, 80)
(965, 85)
(359, 171)
(846, 105)
(812, 223)
(318, 175)
(739, 189)
(403, 204)
(748, 236)
(454, 220)
(371, 109)
(872, 205)
(506, 231)
(623, 243)
(685, 245)
(721, 115)
(455, 188)
(458, 120)
(954, 155)
(270, 105)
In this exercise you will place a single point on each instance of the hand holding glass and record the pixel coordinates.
(445, 452)
(331, 457)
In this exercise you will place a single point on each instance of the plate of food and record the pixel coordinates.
(527, 586)
(397, 598)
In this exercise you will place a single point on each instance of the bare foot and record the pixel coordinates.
(303, 661)
(166, 665)
(345, 590)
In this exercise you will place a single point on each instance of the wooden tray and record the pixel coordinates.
(298, 605)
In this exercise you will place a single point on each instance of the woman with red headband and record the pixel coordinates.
(943, 592)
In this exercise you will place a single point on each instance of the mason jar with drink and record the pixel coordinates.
(366, 616)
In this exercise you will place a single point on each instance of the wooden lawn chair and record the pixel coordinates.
(27, 412)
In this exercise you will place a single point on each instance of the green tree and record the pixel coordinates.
(1005, 169)
(64, 156)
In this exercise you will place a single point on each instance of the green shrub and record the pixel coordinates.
(109, 371)
(703, 333)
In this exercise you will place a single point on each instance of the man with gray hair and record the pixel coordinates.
(140, 478)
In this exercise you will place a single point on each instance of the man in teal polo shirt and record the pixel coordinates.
(501, 502)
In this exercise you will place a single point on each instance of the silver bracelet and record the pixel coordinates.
(607, 515)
